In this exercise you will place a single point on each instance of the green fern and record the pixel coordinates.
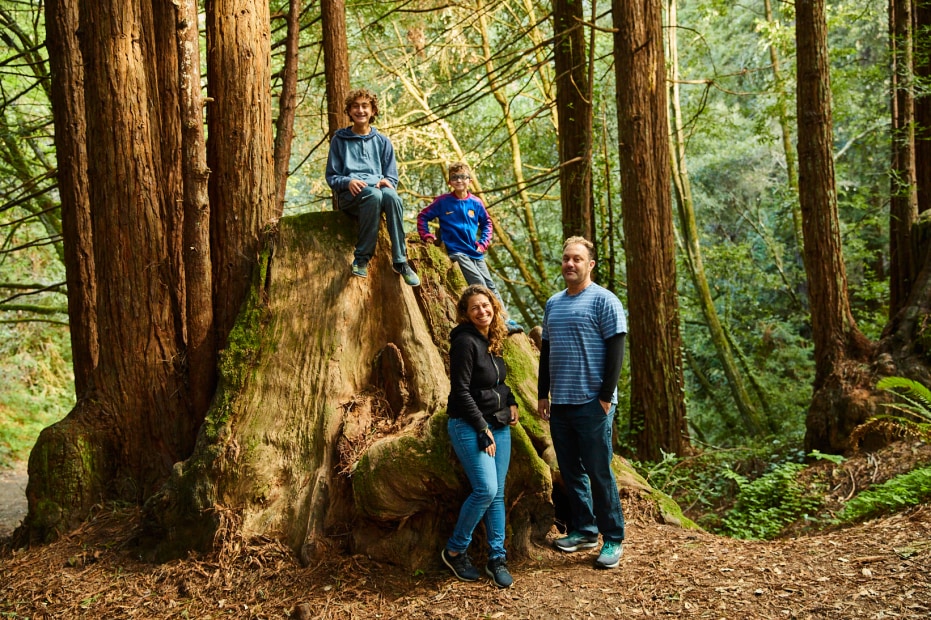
(915, 398)
(913, 405)
(909, 489)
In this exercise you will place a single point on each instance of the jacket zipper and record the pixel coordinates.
(497, 381)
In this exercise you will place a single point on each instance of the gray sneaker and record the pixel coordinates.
(610, 555)
(461, 566)
(575, 541)
(407, 273)
(497, 569)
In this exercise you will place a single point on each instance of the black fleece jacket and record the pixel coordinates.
(476, 378)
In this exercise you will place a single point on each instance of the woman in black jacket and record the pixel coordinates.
(481, 411)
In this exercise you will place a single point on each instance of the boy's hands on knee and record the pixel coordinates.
(356, 186)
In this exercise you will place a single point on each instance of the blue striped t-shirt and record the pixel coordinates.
(576, 327)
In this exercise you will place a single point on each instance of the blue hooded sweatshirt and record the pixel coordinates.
(369, 158)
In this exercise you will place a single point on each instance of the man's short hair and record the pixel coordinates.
(458, 167)
(583, 242)
(362, 93)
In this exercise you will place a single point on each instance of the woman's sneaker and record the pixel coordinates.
(575, 541)
(497, 569)
(461, 566)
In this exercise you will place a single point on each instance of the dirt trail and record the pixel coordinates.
(12, 497)
(874, 570)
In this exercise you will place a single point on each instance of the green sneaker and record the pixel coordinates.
(610, 555)
(575, 541)
(359, 269)
(407, 273)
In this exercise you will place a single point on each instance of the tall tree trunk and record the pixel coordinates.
(123, 441)
(336, 61)
(574, 110)
(657, 403)
(287, 103)
(753, 421)
(239, 148)
(200, 336)
(922, 55)
(67, 97)
(836, 337)
(903, 207)
(785, 126)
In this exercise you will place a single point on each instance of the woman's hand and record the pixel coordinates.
(514, 414)
(490, 450)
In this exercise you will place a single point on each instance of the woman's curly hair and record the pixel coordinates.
(497, 331)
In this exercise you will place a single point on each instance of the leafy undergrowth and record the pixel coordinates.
(749, 493)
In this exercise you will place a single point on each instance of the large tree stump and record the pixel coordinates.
(329, 428)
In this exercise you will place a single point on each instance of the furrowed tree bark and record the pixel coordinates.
(574, 110)
(287, 104)
(336, 62)
(903, 202)
(122, 442)
(67, 97)
(657, 404)
(922, 57)
(834, 411)
(239, 148)
(200, 337)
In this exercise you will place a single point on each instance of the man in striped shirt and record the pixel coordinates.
(581, 355)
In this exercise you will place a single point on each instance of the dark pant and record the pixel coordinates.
(368, 205)
(582, 440)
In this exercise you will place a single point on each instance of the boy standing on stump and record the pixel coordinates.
(466, 231)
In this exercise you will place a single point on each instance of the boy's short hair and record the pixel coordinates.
(588, 245)
(362, 93)
(460, 168)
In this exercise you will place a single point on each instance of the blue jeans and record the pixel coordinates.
(476, 272)
(368, 205)
(487, 475)
(582, 440)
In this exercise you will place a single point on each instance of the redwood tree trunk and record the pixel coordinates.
(336, 61)
(123, 441)
(574, 111)
(832, 414)
(200, 337)
(239, 148)
(67, 94)
(903, 204)
(287, 100)
(657, 405)
(923, 105)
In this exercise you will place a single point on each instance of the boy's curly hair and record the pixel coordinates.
(362, 93)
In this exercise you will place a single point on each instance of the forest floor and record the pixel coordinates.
(879, 569)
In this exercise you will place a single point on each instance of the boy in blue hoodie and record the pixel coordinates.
(361, 168)
(466, 230)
